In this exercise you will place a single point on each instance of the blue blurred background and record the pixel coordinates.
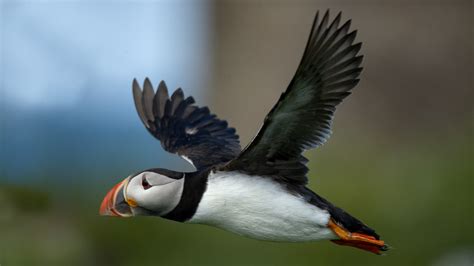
(400, 157)
(67, 69)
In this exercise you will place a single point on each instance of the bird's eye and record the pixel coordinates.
(145, 183)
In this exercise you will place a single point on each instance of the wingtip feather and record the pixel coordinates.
(147, 85)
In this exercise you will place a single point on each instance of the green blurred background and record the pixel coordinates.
(400, 158)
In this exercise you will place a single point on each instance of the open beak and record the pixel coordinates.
(114, 203)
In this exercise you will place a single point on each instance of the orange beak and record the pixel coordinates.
(114, 203)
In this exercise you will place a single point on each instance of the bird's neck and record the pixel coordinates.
(195, 184)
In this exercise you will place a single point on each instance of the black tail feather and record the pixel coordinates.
(341, 217)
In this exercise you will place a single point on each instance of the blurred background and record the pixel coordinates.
(400, 158)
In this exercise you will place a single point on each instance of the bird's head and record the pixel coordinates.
(152, 192)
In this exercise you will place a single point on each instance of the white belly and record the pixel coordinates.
(260, 208)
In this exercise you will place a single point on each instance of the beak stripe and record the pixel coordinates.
(109, 204)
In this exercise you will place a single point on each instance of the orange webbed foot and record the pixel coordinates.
(357, 240)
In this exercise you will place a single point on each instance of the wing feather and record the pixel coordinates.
(148, 94)
(302, 117)
(187, 130)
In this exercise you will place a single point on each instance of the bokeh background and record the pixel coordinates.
(400, 158)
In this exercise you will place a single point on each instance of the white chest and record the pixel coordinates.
(260, 208)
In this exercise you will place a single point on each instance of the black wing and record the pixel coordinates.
(302, 117)
(190, 131)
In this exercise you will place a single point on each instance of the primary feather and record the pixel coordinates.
(303, 115)
(190, 131)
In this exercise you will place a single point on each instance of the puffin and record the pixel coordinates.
(260, 191)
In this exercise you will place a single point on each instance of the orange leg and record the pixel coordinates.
(365, 242)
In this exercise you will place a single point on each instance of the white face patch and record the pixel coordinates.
(155, 192)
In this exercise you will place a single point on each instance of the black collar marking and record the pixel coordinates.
(194, 186)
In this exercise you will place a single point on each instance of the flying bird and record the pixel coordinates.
(260, 191)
